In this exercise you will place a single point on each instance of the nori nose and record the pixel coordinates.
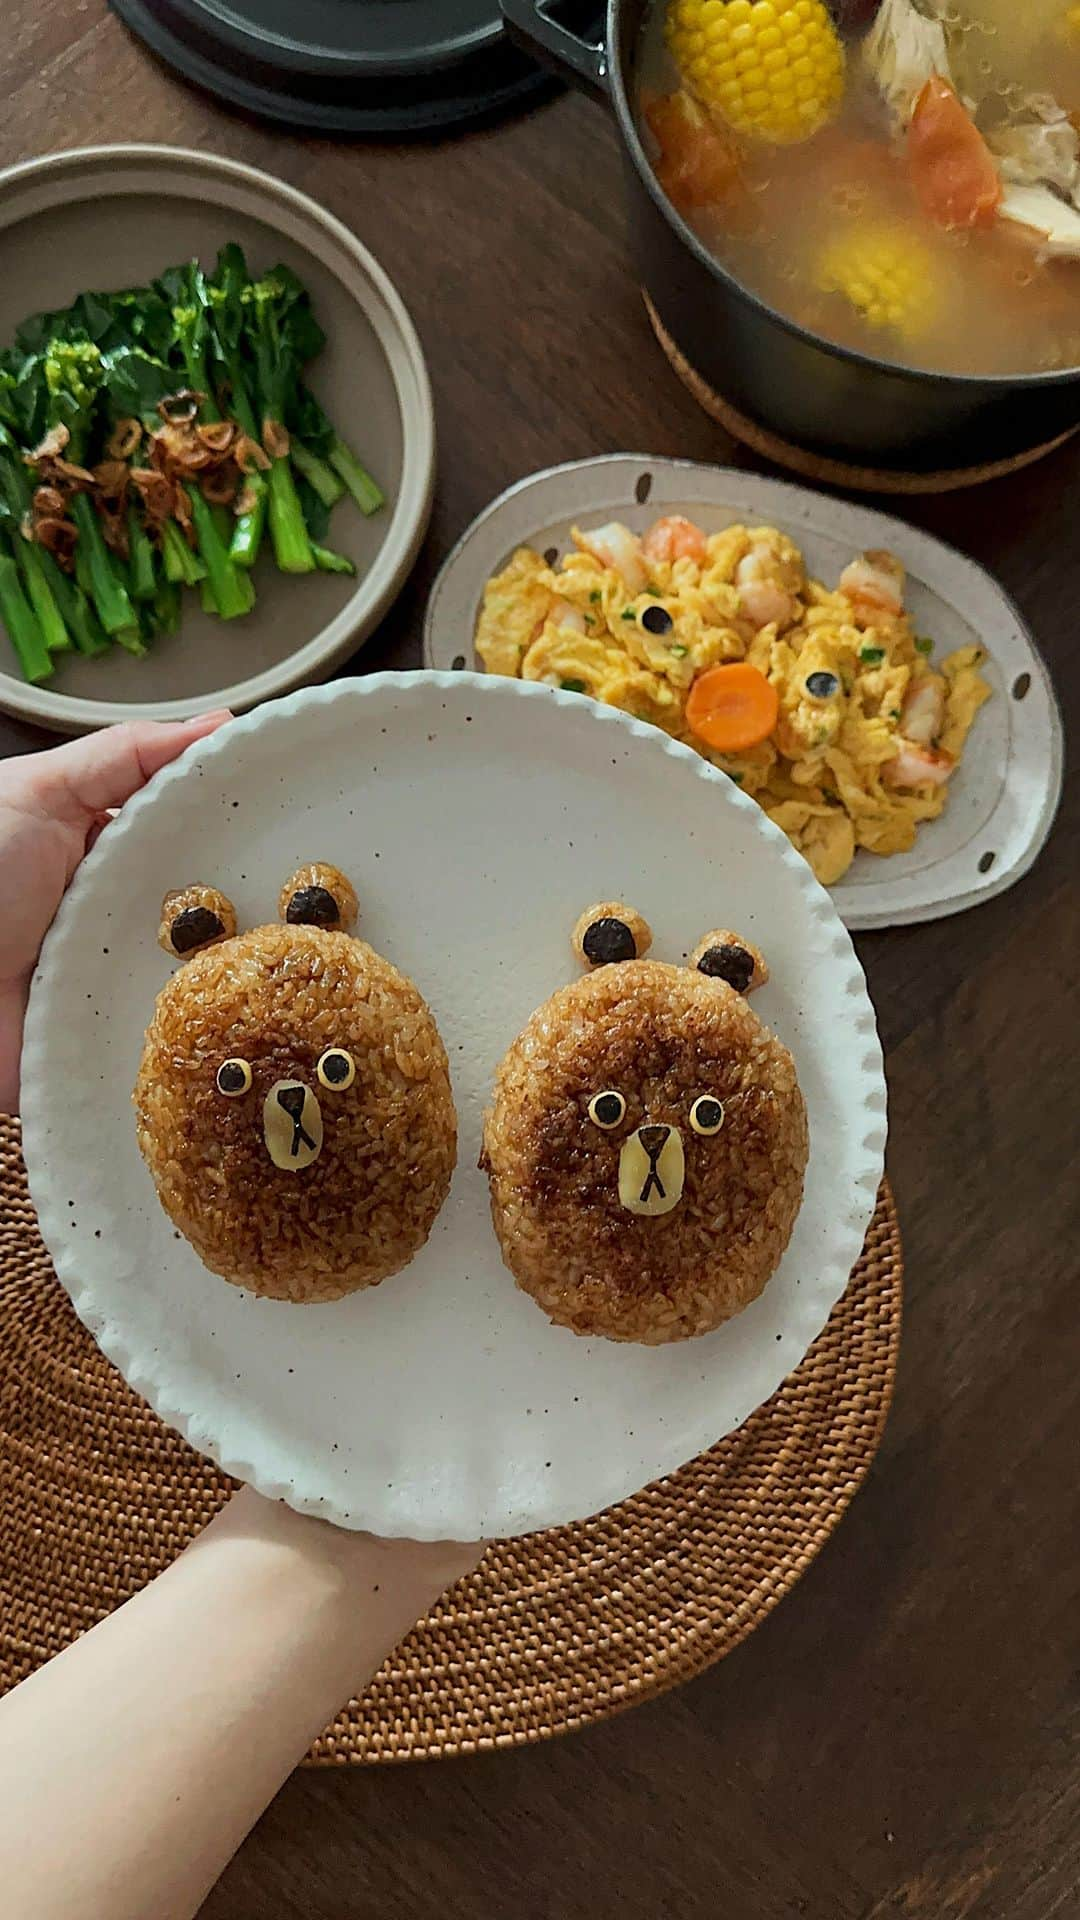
(292, 1125)
(653, 1138)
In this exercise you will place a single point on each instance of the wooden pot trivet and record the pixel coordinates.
(818, 466)
(552, 1632)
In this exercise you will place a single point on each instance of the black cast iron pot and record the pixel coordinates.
(822, 398)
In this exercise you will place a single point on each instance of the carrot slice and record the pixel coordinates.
(732, 707)
(952, 168)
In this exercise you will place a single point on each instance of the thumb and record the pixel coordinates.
(85, 778)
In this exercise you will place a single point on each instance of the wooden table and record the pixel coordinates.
(895, 1741)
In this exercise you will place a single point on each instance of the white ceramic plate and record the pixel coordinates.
(114, 216)
(1003, 797)
(477, 818)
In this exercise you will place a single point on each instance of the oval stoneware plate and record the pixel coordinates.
(1006, 790)
(107, 217)
(476, 818)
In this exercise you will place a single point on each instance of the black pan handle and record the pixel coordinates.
(580, 61)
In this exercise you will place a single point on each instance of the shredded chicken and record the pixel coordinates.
(1053, 223)
(1041, 149)
(902, 50)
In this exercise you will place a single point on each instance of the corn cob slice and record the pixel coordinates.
(774, 69)
(886, 274)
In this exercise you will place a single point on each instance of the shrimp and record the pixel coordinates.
(918, 762)
(674, 538)
(874, 582)
(918, 766)
(922, 713)
(564, 615)
(615, 546)
(561, 614)
(762, 597)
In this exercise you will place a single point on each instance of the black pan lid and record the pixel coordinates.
(343, 66)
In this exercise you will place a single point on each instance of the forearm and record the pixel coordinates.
(132, 1766)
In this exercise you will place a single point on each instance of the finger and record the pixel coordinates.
(96, 829)
(84, 778)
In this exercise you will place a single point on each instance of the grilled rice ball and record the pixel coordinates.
(646, 1150)
(294, 1108)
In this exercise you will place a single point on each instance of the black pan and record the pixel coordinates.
(823, 398)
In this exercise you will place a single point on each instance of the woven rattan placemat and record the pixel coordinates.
(552, 1632)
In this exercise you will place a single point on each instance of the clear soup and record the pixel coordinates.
(902, 179)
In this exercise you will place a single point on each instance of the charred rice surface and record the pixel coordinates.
(662, 1037)
(277, 998)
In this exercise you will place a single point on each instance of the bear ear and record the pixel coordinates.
(318, 895)
(193, 918)
(723, 955)
(610, 932)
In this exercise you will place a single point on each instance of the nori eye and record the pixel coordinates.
(606, 1110)
(336, 1069)
(707, 1115)
(657, 620)
(609, 940)
(729, 963)
(822, 686)
(233, 1078)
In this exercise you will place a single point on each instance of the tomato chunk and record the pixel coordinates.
(952, 168)
(697, 166)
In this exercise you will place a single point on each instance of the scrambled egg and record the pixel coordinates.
(868, 731)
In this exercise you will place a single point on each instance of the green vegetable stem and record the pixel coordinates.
(281, 338)
(70, 373)
(109, 370)
(182, 566)
(141, 560)
(65, 615)
(230, 589)
(228, 320)
(41, 597)
(368, 495)
(109, 595)
(19, 618)
(87, 633)
(329, 562)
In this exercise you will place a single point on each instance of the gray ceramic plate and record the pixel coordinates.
(111, 216)
(443, 1402)
(1006, 790)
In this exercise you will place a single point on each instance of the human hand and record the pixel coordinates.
(384, 1584)
(244, 1649)
(53, 805)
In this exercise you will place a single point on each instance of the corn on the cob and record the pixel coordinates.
(774, 68)
(886, 274)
